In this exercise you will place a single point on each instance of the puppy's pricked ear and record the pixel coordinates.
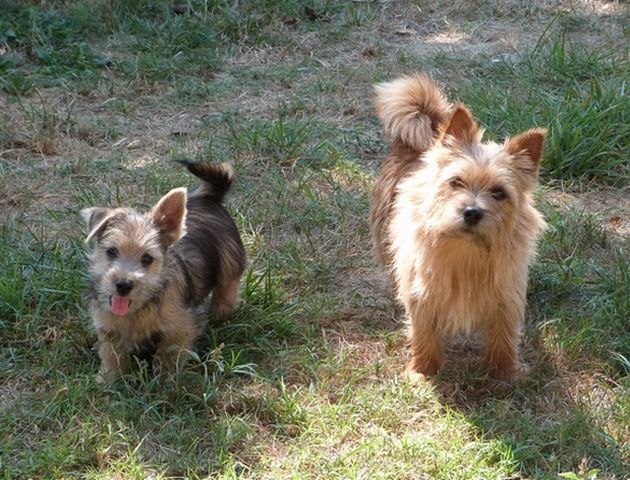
(462, 127)
(97, 220)
(169, 215)
(526, 148)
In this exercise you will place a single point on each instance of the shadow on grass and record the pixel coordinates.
(547, 417)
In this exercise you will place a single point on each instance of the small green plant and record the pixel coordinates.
(589, 475)
(17, 83)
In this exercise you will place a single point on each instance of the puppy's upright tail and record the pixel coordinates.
(411, 109)
(216, 178)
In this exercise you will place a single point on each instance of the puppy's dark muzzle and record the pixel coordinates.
(472, 216)
(123, 287)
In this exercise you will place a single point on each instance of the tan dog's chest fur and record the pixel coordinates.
(453, 221)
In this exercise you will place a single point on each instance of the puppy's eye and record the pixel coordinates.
(498, 194)
(112, 253)
(146, 260)
(455, 183)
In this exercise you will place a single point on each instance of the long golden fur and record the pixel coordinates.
(151, 273)
(453, 221)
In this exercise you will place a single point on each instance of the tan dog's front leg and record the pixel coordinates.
(502, 340)
(426, 347)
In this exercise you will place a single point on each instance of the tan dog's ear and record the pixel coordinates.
(526, 148)
(462, 126)
(97, 219)
(169, 216)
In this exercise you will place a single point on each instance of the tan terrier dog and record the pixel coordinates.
(151, 273)
(453, 220)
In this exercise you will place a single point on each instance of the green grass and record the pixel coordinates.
(306, 380)
(581, 95)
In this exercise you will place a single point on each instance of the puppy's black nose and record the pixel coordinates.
(124, 286)
(472, 216)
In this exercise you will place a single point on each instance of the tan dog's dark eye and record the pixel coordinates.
(146, 260)
(498, 194)
(112, 253)
(456, 183)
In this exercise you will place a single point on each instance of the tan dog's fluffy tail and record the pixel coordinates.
(411, 109)
(217, 178)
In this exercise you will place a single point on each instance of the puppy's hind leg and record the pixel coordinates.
(172, 352)
(225, 298)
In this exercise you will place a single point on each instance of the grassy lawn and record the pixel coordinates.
(306, 380)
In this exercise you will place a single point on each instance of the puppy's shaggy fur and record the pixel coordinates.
(151, 273)
(452, 219)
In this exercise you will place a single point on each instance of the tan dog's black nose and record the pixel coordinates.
(472, 216)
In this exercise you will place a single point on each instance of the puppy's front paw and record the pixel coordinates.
(106, 376)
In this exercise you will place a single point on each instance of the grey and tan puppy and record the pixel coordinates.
(151, 273)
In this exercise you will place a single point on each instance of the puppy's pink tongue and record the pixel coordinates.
(120, 305)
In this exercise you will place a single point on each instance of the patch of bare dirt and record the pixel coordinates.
(611, 206)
